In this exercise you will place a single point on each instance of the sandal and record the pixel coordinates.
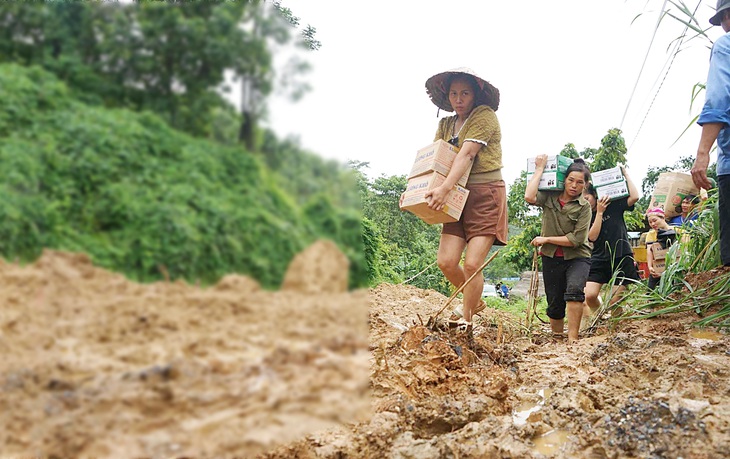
(461, 325)
(458, 312)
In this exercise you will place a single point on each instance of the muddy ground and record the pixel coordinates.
(93, 365)
(645, 389)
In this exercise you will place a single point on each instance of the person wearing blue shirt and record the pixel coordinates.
(505, 291)
(688, 211)
(715, 122)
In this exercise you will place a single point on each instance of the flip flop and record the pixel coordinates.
(461, 325)
(458, 312)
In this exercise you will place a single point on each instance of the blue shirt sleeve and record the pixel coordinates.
(676, 221)
(717, 94)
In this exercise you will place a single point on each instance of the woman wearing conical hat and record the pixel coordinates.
(474, 129)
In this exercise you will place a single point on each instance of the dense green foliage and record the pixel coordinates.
(402, 244)
(140, 197)
(696, 253)
(171, 58)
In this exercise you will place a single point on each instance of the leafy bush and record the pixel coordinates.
(142, 198)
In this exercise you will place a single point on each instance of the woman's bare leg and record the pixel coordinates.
(476, 252)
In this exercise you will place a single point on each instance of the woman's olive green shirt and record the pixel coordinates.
(483, 128)
(572, 220)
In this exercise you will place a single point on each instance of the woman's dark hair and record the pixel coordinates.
(579, 166)
(590, 189)
(693, 199)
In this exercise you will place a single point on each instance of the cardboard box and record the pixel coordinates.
(555, 163)
(414, 199)
(613, 191)
(437, 157)
(607, 176)
(550, 181)
(670, 190)
(660, 257)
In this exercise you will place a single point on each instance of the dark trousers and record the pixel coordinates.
(653, 282)
(565, 281)
(723, 182)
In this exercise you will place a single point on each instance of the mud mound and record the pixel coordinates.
(94, 365)
(236, 283)
(321, 268)
(644, 389)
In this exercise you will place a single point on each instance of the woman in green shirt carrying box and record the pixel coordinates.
(563, 242)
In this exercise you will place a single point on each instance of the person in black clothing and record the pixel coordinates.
(611, 248)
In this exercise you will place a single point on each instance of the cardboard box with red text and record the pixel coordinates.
(414, 199)
(437, 157)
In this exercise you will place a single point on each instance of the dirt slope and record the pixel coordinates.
(93, 365)
(649, 389)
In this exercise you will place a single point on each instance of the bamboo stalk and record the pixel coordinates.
(531, 292)
(422, 271)
(534, 288)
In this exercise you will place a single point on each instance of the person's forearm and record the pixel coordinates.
(710, 131)
(595, 230)
(531, 188)
(461, 163)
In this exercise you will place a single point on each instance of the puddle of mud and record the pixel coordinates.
(550, 442)
(707, 335)
(524, 410)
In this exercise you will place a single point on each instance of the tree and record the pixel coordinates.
(169, 58)
(611, 153)
(518, 252)
(569, 151)
(271, 26)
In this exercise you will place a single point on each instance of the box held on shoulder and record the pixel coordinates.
(550, 181)
(557, 163)
(670, 190)
(607, 176)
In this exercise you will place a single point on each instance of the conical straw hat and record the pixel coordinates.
(436, 88)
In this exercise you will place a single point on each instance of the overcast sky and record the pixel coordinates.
(565, 70)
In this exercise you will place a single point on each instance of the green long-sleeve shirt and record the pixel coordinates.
(571, 220)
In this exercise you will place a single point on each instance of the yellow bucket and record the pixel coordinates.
(640, 254)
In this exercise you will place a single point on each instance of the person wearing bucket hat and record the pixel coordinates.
(475, 131)
(715, 122)
(722, 6)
